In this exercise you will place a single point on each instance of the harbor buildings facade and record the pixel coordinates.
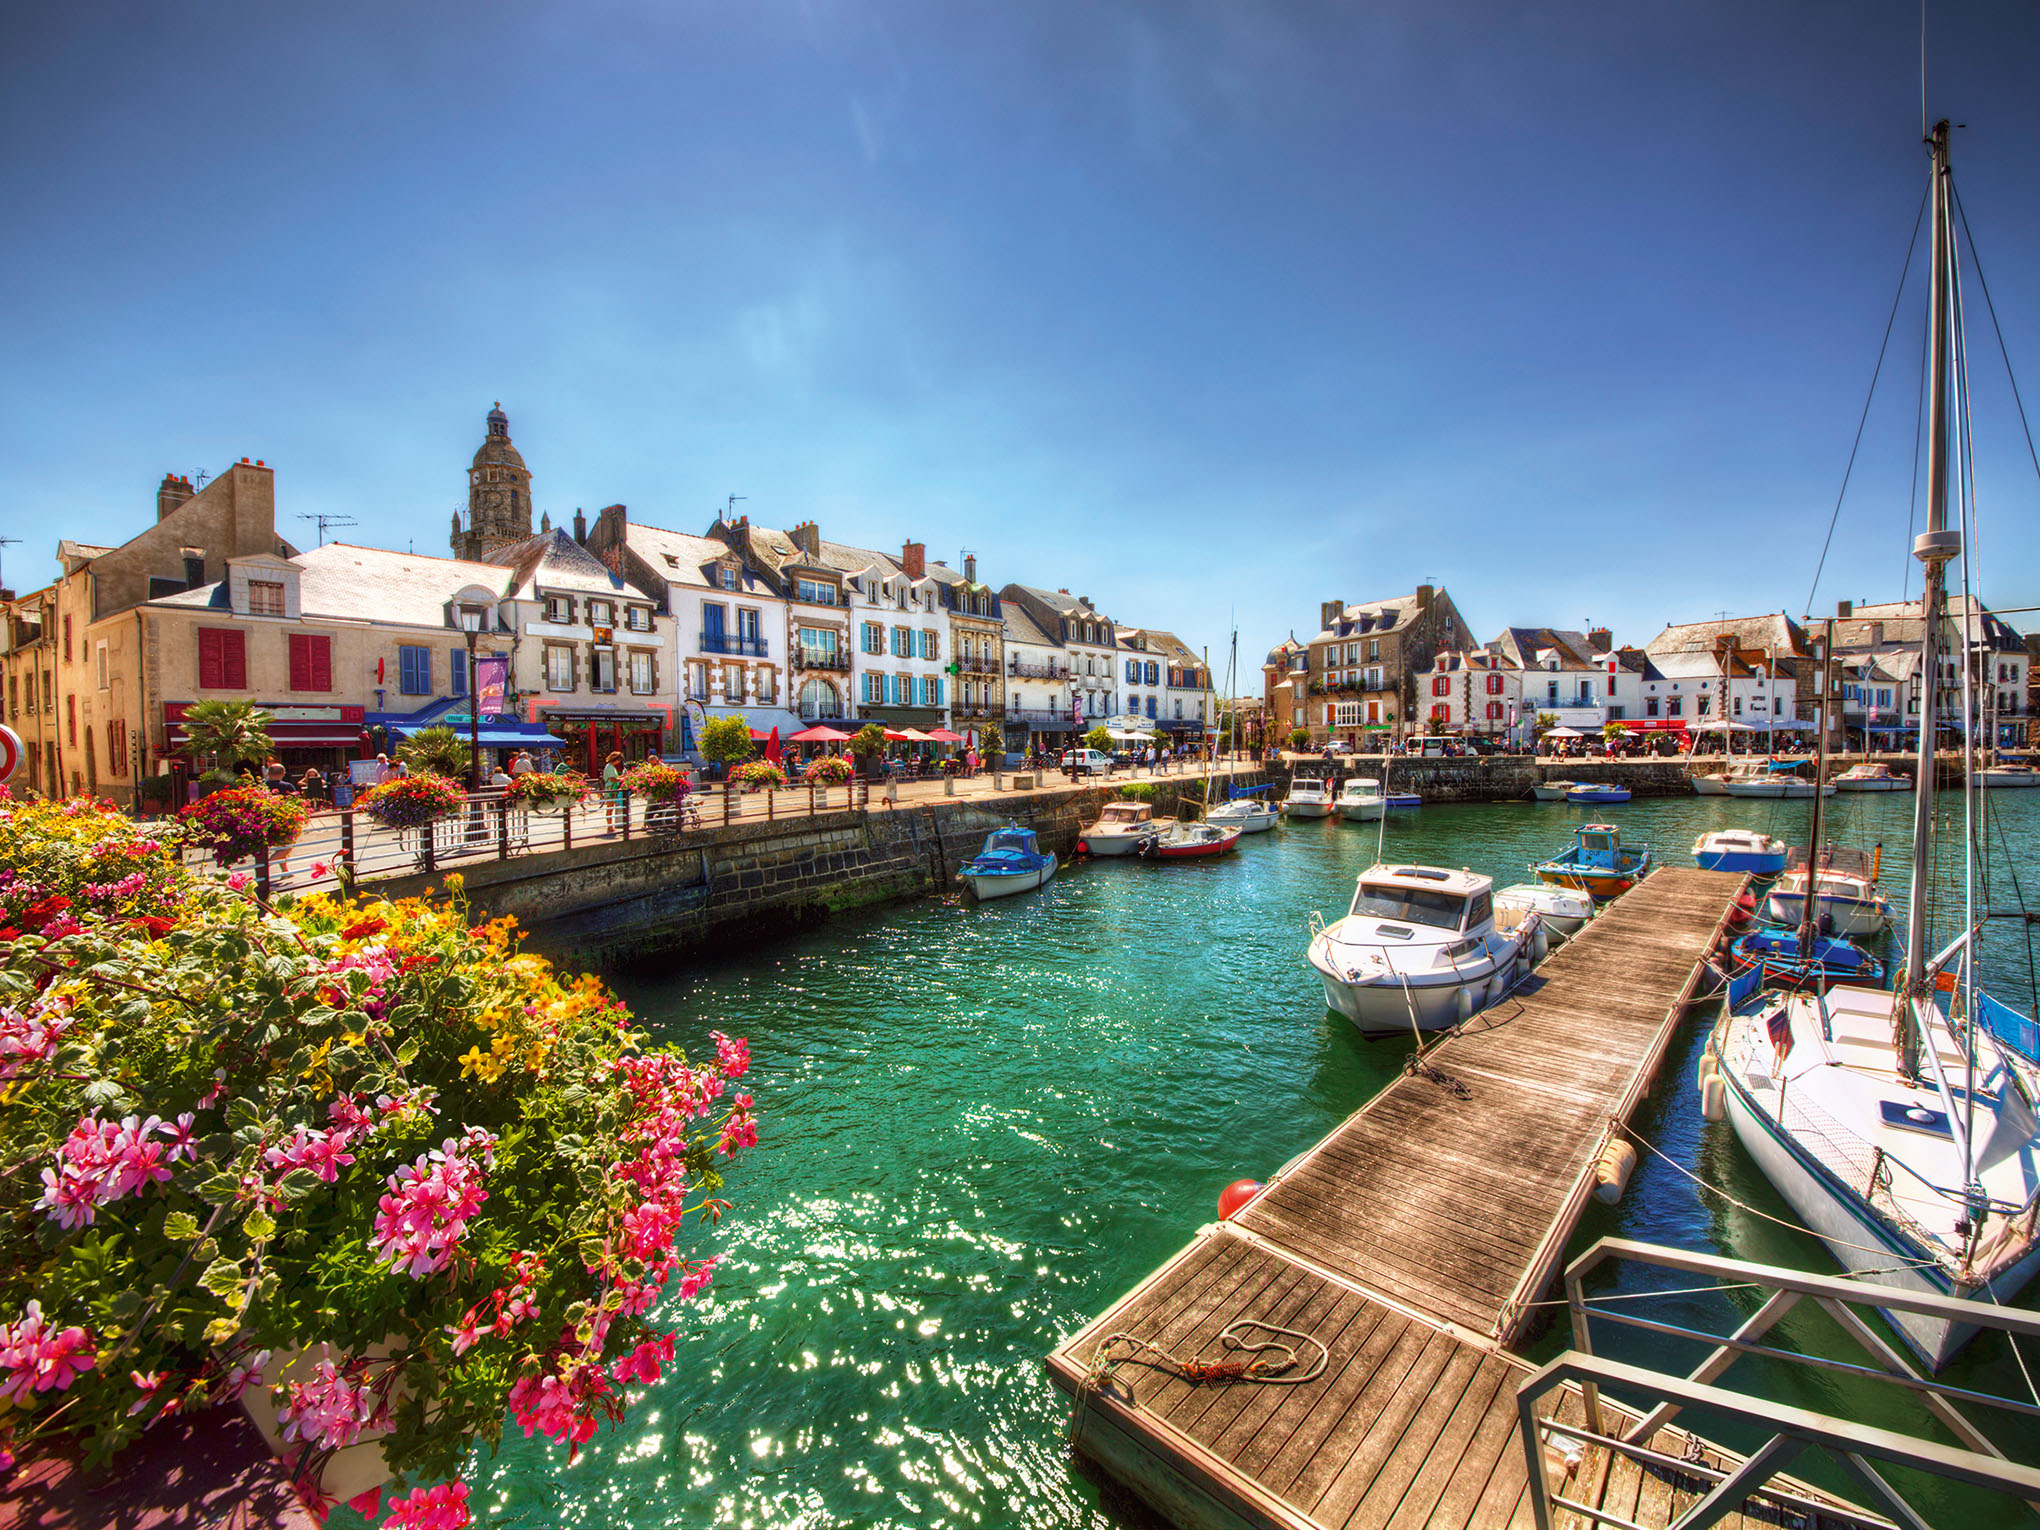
(977, 646)
(1360, 670)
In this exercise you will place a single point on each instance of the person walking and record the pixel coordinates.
(612, 785)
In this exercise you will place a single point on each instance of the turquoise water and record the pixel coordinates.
(981, 1125)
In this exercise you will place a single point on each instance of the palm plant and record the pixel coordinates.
(436, 751)
(229, 734)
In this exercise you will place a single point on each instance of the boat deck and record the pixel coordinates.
(1410, 1242)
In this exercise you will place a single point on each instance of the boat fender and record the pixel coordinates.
(1713, 1097)
(1465, 1003)
(1541, 943)
(1611, 1174)
(1232, 1200)
(1083, 847)
(1710, 1065)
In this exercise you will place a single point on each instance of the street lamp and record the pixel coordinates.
(471, 629)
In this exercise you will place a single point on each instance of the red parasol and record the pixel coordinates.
(772, 745)
(820, 733)
(944, 736)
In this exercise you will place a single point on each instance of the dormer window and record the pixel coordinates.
(638, 618)
(473, 618)
(559, 608)
(265, 597)
(727, 574)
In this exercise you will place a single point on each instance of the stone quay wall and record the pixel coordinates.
(641, 899)
(1508, 778)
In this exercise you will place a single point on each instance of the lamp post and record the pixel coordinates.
(471, 628)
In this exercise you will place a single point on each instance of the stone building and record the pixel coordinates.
(499, 494)
(977, 644)
(1775, 641)
(1360, 670)
(1285, 690)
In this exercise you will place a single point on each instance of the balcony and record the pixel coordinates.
(978, 666)
(1038, 717)
(821, 658)
(731, 643)
(831, 711)
(1037, 671)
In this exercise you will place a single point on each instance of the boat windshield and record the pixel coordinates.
(1124, 812)
(1414, 905)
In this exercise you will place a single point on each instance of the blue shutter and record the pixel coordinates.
(938, 692)
(415, 670)
(456, 672)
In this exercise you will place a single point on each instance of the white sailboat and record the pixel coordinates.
(1901, 1126)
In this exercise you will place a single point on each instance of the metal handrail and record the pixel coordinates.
(1976, 1460)
(732, 643)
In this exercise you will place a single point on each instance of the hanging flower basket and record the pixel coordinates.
(830, 770)
(243, 821)
(412, 802)
(656, 781)
(547, 791)
(364, 1160)
(758, 774)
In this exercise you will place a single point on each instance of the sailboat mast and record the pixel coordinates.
(1823, 684)
(1933, 547)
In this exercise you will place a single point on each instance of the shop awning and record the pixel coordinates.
(285, 735)
(915, 736)
(944, 736)
(820, 733)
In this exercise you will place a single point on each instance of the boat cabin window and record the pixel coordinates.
(1123, 812)
(1601, 840)
(1480, 910)
(1414, 905)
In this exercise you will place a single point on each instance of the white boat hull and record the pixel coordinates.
(1362, 812)
(1246, 823)
(1307, 809)
(1391, 1007)
(985, 886)
(1853, 917)
(1887, 784)
(1710, 786)
(2005, 780)
(1116, 844)
(1858, 1238)
(1551, 791)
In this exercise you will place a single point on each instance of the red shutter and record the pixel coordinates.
(234, 658)
(300, 662)
(209, 667)
(322, 663)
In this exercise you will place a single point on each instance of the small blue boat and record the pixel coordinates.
(1595, 862)
(1402, 800)
(1740, 850)
(1012, 861)
(1597, 791)
(1786, 963)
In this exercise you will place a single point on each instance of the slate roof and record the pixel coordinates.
(1519, 646)
(367, 584)
(678, 557)
(1776, 633)
(1371, 618)
(1022, 628)
(554, 561)
(1904, 626)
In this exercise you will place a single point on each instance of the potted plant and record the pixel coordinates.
(868, 745)
(241, 821)
(656, 781)
(547, 791)
(759, 774)
(411, 802)
(437, 751)
(228, 735)
(726, 741)
(361, 1157)
(829, 770)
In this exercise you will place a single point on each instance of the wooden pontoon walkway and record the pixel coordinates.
(1409, 1242)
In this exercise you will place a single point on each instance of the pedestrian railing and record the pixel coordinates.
(1864, 1453)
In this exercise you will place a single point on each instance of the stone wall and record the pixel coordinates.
(1508, 778)
(645, 898)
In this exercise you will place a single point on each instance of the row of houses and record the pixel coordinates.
(1410, 664)
(613, 634)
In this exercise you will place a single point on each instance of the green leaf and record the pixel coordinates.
(222, 1277)
(220, 1330)
(259, 1224)
(181, 1225)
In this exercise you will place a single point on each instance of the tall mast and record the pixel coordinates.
(1933, 547)
(1809, 924)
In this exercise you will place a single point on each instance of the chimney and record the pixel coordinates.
(170, 493)
(1844, 609)
(1601, 640)
(970, 567)
(612, 528)
(1424, 594)
(1085, 602)
(807, 536)
(580, 527)
(914, 559)
(1329, 612)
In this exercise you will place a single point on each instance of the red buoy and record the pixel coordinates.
(1234, 1197)
(1083, 847)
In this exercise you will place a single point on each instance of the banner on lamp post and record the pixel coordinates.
(492, 679)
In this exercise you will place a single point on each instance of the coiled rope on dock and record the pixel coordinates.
(1272, 1361)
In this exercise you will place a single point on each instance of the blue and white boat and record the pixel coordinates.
(1790, 959)
(1011, 862)
(1740, 850)
(1596, 862)
(1402, 800)
(1597, 791)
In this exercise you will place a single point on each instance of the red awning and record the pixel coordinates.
(892, 737)
(944, 736)
(310, 735)
(820, 733)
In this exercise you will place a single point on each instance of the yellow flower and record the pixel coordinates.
(481, 1065)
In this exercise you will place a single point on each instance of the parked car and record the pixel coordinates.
(1339, 746)
(1090, 762)
(1433, 748)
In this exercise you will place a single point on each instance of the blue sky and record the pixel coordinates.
(1208, 310)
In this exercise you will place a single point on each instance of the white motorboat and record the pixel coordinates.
(1872, 776)
(1740, 850)
(1360, 800)
(1563, 911)
(1309, 797)
(1249, 815)
(1813, 1098)
(1121, 826)
(1712, 785)
(1847, 899)
(1011, 862)
(1773, 779)
(1552, 791)
(1419, 950)
(2000, 777)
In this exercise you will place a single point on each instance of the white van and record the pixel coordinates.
(1089, 761)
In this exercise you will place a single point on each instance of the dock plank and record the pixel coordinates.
(1403, 1242)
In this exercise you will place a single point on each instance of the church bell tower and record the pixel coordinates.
(499, 495)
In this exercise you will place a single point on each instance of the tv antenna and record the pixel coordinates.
(8, 542)
(323, 521)
(199, 478)
(730, 507)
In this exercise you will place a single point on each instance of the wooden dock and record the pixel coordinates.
(1410, 1243)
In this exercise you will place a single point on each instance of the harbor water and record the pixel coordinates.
(980, 1125)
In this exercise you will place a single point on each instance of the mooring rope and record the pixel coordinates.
(1270, 1362)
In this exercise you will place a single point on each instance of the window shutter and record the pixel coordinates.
(456, 672)
(938, 693)
(234, 658)
(211, 671)
(322, 663)
(300, 662)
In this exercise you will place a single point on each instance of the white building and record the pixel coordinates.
(900, 624)
(1038, 709)
(1573, 676)
(1479, 693)
(1682, 689)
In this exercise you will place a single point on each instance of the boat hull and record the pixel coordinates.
(1758, 863)
(1004, 884)
(2005, 780)
(1380, 1009)
(1888, 784)
(1602, 884)
(1550, 791)
(1307, 809)
(1362, 812)
(1710, 786)
(1599, 794)
(1853, 917)
(1857, 1238)
(1110, 844)
(1403, 800)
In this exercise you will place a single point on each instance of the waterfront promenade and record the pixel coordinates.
(1411, 1244)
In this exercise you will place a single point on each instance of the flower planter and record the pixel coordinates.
(353, 1469)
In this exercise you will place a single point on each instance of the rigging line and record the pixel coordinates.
(1903, 272)
(1996, 328)
(1912, 508)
